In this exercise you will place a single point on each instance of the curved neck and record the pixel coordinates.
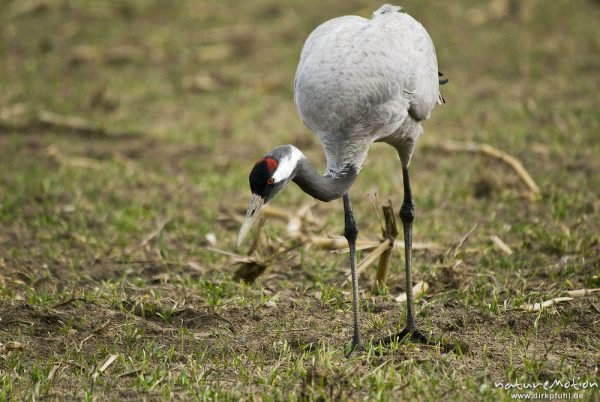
(324, 188)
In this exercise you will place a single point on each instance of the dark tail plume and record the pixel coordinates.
(442, 81)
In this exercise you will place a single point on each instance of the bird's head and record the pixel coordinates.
(267, 178)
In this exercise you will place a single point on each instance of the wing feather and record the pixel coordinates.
(359, 79)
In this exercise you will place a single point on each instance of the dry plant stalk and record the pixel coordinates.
(109, 360)
(390, 232)
(53, 372)
(498, 242)
(149, 237)
(296, 230)
(251, 267)
(76, 124)
(369, 259)
(582, 292)
(573, 294)
(295, 221)
(77, 162)
(540, 306)
(336, 243)
(23, 119)
(340, 244)
(453, 252)
(374, 198)
(492, 152)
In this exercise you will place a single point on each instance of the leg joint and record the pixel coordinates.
(351, 233)
(407, 212)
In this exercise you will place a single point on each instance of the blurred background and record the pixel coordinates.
(116, 114)
(128, 129)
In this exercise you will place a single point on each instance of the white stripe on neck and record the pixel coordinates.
(287, 165)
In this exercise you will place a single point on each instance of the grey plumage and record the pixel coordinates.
(361, 81)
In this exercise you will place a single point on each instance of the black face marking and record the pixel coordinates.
(258, 179)
(264, 169)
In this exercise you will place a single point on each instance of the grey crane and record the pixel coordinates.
(359, 81)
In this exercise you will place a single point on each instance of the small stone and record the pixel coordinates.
(211, 239)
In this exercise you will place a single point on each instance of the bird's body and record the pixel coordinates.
(364, 80)
(358, 81)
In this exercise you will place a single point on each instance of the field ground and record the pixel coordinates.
(127, 131)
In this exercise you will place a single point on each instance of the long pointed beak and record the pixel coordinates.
(254, 207)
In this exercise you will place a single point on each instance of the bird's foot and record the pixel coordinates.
(416, 336)
(356, 346)
(407, 334)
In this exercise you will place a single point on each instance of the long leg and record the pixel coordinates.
(351, 233)
(407, 215)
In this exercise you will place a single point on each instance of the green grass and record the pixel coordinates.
(81, 278)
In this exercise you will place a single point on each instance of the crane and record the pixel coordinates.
(359, 81)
